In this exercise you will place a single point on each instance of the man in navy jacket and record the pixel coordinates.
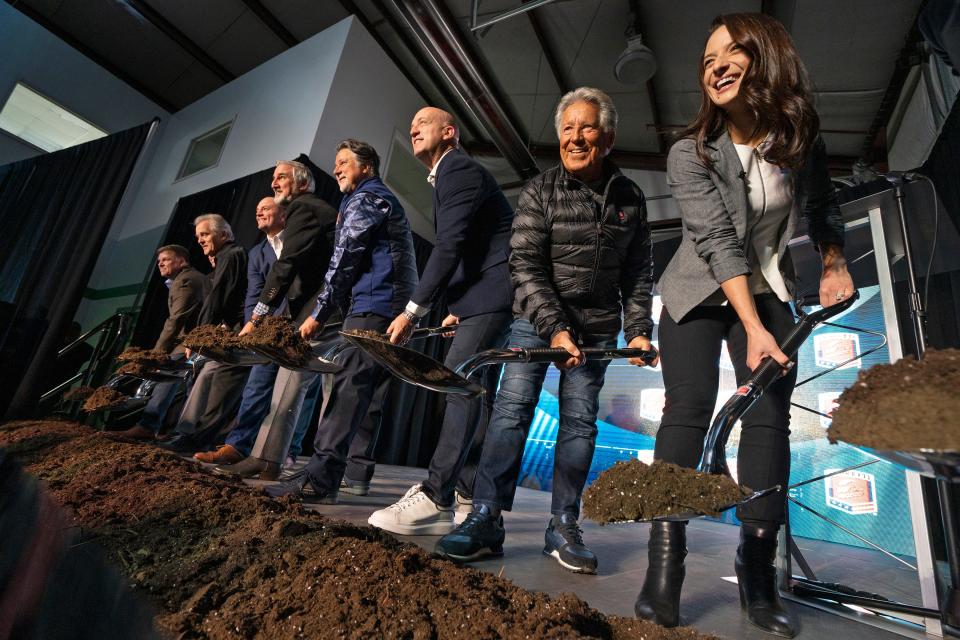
(469, 266)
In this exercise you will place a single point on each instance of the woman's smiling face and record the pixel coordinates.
(725, 63)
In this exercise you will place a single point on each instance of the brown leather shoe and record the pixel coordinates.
(226, 454)
(135, 433)
(250, 468)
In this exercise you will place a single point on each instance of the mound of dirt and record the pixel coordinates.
(80, 393)
(211, 335)
(278, 333)
(631, 490)
(146, 356)
(223, 561)
(103, 399)
(905, 406)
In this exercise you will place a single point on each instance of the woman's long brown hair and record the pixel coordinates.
(776, 89)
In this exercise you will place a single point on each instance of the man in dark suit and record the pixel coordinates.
(469, 265)
(215, 396)
(187, 290)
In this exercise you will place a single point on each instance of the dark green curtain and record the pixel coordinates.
(55, 212)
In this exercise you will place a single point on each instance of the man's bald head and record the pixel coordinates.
(432, 132)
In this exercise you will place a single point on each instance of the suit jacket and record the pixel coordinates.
(184, 302)
(224, 304)
(307, 245)
(469, 260)
(259, 261)
(717, 220)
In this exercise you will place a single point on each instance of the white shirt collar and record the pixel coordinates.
(277, 242)
(432, 176)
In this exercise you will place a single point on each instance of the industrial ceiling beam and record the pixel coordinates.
(272, 22)
(436, 32)
(528, 5)
(560, 75)
(166, 27)
(56, 30)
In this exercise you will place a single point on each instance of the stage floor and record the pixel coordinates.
(710, 601)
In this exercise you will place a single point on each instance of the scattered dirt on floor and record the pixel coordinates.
(905, 406)
(223, 561)
(275, 333)
(80, 393)
(103, 399)
(631, 490)
(210, 335)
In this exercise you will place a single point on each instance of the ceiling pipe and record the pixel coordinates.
(437, 34)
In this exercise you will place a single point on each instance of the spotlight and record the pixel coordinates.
(636, 64)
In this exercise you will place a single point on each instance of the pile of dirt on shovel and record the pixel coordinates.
(413, 365)
(631, 490)
(280, 334)
(211, 336)
(905, 406)
(104, 399)
(80, 393)
(149, 357)
(223, 561)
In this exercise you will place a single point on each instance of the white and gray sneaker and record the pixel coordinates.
(415, 514)
(463, 505)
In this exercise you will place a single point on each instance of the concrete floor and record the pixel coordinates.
(710, 601)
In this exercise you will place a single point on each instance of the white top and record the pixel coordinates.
(770, 195)
(277, 243)
(432, 176)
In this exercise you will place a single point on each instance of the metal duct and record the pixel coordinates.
(437, 34)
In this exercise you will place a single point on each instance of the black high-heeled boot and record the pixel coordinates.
(757, 579)
(659, 599)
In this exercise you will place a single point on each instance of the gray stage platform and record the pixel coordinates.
(710, 602)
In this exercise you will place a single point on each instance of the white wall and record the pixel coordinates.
(32, 55)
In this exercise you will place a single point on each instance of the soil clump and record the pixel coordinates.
(905, 406)
(223, 561)
(211, 336)
(149, 357)
(278, 334)
(80, 393)
(104, 399)
(631, 490)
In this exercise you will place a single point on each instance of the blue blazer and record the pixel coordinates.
(259, 260)
(469, 260)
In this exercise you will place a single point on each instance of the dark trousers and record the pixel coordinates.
(254, 405)
(690, 351)
(361, 383)
(214, 400)
(465, 419)
(513, 412)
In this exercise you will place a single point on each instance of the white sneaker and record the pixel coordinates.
(415, 514)
(464, 506)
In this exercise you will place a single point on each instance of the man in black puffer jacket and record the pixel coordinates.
(580, 254)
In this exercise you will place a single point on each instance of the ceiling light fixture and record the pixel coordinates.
(636, 64)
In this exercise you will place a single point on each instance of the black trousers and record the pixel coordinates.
(454, 461)
(690, 355)
(361, 384)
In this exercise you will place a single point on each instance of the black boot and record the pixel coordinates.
(659, 599)
(757, 579)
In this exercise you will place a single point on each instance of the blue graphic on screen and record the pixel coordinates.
(871, 501)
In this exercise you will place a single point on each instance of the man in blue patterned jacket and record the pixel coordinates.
(373, 268)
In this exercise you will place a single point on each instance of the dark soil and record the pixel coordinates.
(278, 333)
(210, 335)
(905, 406)
(223, 561)
(369, 333)
(151, 357)
(138, 369)
(80, 393)
(103, 399)
(631, 490)
(413, 365)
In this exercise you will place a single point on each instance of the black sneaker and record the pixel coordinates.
(480, 535)
(304, 488)
(563, 541)
(355, 487)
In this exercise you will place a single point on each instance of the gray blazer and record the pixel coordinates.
(717, 220)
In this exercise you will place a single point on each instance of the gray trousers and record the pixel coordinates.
(276, 431)
(213, 402)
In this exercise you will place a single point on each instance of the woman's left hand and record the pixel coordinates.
(836, 285)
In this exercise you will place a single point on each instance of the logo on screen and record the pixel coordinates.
(830, 349)
(852, 492)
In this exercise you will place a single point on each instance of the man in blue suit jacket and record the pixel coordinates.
(469, 265)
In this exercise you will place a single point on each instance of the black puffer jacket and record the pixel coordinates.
(579, 258)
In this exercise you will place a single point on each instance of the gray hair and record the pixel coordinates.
(218, 224)
(596, 97)
(365, 153)
(301, 174)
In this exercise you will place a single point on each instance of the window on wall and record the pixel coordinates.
(407, 177)
(37, 120)
(205, 151)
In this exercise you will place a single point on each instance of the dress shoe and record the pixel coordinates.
(302, 487)
(226, 454)
(659, 599)
(135, 433)
(250, 468)
(757, 581)
(181, 444)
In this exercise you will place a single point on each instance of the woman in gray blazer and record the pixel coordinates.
(742, 174)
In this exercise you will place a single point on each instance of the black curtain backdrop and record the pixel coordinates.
(55, 212)
(237, 202)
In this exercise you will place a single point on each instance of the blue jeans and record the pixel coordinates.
(513, 412)
(254, 405)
